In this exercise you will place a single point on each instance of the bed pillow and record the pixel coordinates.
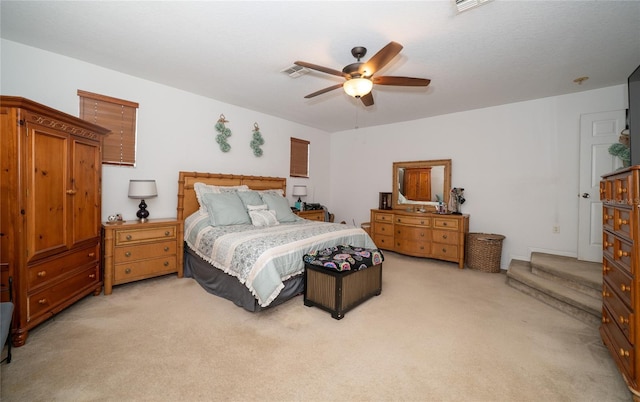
(226, 208)
(280, 205)
(201, 189)
(250, 197)
(277, 191)
(263, 217)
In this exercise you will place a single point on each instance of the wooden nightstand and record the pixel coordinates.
(315, 215)
(134, 250)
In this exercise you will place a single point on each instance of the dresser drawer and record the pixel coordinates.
(144, 269)
(616, 280)
(384, 242)
(143, 251)
(412, 233)
(383, 229)
(44, 300)
(143, 235)
(445, 236)
(412, 247)
(617, 343)
(445, 223)
(620, 313)
(622, 254)
(412, 220)
(445, 251)
(608, 213)
(623, 223)
(382, 217)
(42, 273)
(623, 189)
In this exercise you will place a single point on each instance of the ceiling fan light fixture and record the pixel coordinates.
(358, 87)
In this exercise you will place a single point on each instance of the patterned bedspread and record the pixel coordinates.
(263, 257)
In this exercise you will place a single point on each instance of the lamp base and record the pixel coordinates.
(142, 213)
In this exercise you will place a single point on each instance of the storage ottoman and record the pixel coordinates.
(340, 278)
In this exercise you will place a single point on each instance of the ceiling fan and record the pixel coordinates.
(359, 76)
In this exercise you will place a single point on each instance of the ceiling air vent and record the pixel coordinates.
(295, 71)
(464, 5)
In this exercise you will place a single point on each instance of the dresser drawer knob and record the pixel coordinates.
(607, 217)
(92, 254)
(166, 249)
(622, 253)
(92, 276)
(166, 263)
(42, 301)
(605, 320)
(128, 237)
(605, 293)
(605, 269)
(167, 233)
(422, 222)
(127, 254)
(625, 288)
(127, 271)
(444, 250)
(607, 245)
(623, 353)
(622, 222)
(444, 223)
(622, 190)
(623, 320)
(421, 234)
(444, 237)
(42, 274)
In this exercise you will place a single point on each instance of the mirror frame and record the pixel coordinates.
(426, 205)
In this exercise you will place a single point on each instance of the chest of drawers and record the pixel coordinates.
(620, 194)
(135, 250)
(421, 234)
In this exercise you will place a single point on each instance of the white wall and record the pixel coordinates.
(175, 129)
(518, 164)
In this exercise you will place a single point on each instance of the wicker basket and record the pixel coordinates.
(484, 251)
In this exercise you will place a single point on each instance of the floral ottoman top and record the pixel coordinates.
(344, 258)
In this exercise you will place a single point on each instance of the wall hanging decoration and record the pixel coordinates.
(224, 133)
(257, 140)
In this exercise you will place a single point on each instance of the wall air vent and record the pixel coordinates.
(464, 5)
(295, 71)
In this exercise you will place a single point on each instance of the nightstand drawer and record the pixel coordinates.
(143, 251)
(144, 269)
(142, 235)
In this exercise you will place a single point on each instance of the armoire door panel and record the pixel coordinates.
(85, 190)
(46, 198)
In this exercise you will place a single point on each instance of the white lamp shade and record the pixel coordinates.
(300, 191)
(358, 87)
(142, 189)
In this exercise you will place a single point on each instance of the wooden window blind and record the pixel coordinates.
(119, 116)
(299, 162)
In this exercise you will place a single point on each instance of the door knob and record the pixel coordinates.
(586, 195)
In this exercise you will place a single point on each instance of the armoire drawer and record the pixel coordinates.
(40, 274)
(48, 298)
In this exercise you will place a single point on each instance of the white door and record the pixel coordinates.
(597, 132)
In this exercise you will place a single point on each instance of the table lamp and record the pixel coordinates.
(141, 189)
(300, 191)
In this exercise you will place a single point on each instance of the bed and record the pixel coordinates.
(256, 264)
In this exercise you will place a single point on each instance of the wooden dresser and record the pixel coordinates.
(620, 194)
(431, 235)
(51, 166)
(313, 215)
(134, 250)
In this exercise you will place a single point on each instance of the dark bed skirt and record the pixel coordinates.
(221, 284)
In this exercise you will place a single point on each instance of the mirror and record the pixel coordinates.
(418, 185)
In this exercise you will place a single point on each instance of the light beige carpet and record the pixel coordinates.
(436, 333)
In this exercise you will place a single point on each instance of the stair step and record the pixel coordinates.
(583, 276)
(554, 293)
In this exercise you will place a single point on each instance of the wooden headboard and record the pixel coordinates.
(188, 203)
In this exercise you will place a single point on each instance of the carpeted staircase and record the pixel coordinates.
(565, 283)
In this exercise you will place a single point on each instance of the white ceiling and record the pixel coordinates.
(234, 51)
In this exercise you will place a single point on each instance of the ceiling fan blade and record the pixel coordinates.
(401, 81)
(322, 91)
(367, 100)
(381, 58)
(320, 68)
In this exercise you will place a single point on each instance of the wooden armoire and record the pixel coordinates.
(50, 217)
